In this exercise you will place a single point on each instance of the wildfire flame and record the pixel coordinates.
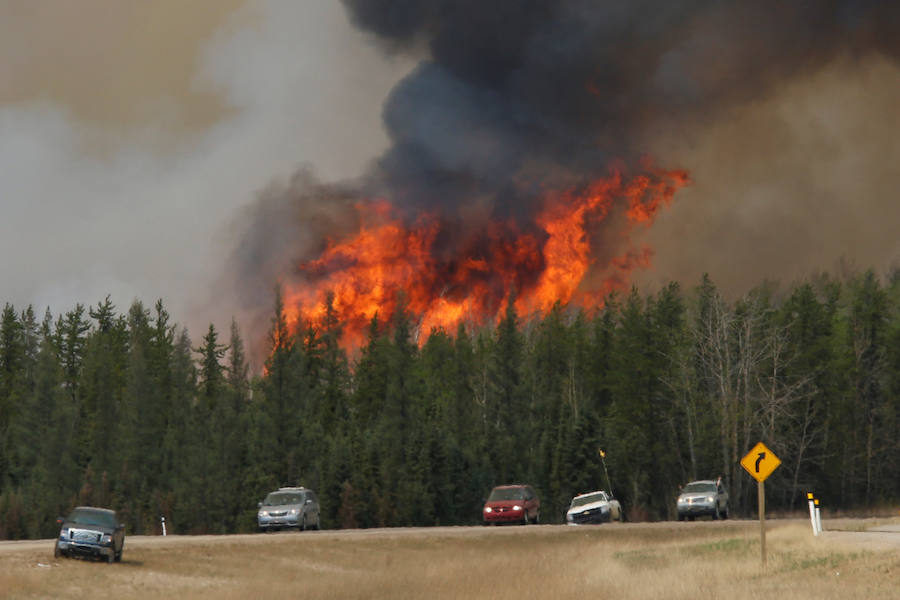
(449, 278)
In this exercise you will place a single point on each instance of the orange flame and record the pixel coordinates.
(450, 278)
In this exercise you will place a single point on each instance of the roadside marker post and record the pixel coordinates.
(760, 462)
(603, 460)
(812, 513)
(818, 517)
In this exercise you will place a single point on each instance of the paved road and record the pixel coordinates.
(854, 531)
(879, 536)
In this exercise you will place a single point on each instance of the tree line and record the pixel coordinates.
(125, 411)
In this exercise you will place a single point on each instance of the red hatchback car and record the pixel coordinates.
(512, 504)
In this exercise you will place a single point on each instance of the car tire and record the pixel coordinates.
(56, 552)
(111, 557)
(715, 514)
(303, 523)
(525, 519)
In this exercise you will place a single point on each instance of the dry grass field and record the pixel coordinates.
(642, 561)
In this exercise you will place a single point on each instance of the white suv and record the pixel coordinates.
(289, 507)
(700, 498)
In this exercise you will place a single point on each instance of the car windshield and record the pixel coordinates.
(699, 486)
(283, 499)
(588, 499)
(92, 517)
(507, 494)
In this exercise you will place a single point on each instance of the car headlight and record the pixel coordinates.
(710, 499)
(106, 538)
(294, 511)
(264, 513)
(517, 507)
(488, 509)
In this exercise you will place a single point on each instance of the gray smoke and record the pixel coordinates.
(512, 98)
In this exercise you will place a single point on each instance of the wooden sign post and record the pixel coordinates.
(760, 462)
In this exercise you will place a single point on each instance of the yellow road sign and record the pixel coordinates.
(760, 462)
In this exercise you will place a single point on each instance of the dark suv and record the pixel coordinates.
(289, 507)
(89, 531)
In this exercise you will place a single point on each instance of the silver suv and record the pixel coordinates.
(289, 507)
(706, 497)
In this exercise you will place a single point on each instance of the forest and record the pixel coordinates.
(125, 410)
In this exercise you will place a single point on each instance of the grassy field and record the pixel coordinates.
(644, 561)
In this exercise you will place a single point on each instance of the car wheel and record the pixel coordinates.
(111, 557)
(715, 514)
(303, 524)
(691, 518)
(56, 552)
(525, 519)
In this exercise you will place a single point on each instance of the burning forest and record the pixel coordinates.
(517, 162)
(452, 273)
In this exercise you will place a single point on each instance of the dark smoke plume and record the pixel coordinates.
(513, 97)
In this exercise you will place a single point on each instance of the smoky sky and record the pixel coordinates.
(132, 134)
(196, 152)
(781, 111)
(572, 84)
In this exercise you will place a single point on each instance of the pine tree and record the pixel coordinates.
(11, 358)
(280, 400)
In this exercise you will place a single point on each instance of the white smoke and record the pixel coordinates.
(88, 211)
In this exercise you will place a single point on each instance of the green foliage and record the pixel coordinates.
(122, 410)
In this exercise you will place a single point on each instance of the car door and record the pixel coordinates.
(119, 536)
(313, 507)
(614, 508)
(532, 503)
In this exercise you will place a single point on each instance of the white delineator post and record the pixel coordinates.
(163, 519)
(812, 513)
(818, 517)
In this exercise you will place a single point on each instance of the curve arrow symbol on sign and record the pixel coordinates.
(760, 462)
